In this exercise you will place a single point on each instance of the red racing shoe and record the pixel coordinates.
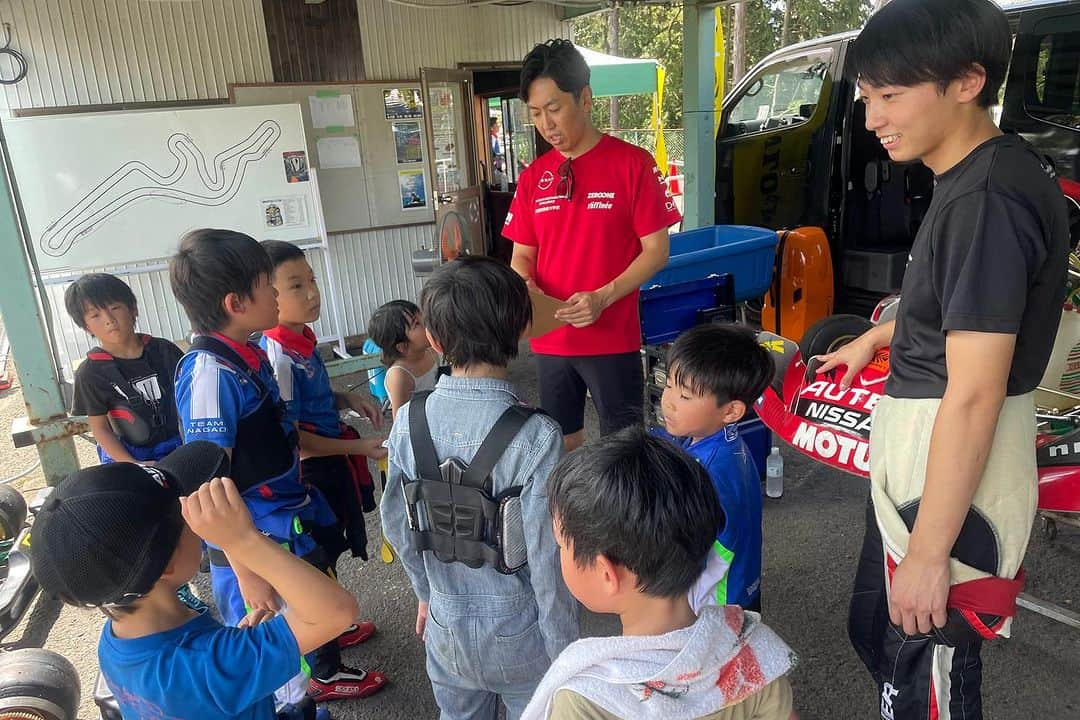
(356, 634)
(346, 683)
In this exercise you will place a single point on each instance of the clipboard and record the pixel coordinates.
(543, 311)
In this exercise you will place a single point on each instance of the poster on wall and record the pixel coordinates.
(296, 167)
(403, 103)
(407, 142)
(413, 192)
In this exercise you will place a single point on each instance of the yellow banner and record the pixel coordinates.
(719, 66)
(658, 121)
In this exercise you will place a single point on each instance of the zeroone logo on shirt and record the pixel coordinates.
(509, 217)
(546, 180)
(598, 201)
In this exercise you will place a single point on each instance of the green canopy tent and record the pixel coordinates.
(611, 75)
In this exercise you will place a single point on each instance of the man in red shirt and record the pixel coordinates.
(589, 223)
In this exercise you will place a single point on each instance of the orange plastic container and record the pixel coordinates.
(802, 287)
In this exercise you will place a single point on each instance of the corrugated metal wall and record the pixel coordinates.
(398, 40)
(97, 52)
(91, 52)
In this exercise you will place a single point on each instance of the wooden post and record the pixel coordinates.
(738, 44)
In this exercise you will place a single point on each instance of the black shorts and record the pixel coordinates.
(615, 382)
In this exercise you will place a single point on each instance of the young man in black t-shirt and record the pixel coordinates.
(125, 385)
(953, 475)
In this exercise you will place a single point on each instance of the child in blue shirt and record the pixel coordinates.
(226, 393)
(333, 456)
(121, 538)
(716, 372)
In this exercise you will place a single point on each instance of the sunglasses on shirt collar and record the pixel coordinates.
(565, 188)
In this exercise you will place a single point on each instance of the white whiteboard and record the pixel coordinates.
(101, 189)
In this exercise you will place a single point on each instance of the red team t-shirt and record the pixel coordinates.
(618, 197)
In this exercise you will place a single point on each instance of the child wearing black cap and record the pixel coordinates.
(121, 538)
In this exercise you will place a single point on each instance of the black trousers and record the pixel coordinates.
(615, 382)
(932, 676)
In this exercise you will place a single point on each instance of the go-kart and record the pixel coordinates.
(815, 416)
(35, 684)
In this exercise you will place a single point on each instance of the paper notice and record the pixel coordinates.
(331, 110)
(338, 152)
(286, 212)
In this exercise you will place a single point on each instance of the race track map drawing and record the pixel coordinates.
(209, 184)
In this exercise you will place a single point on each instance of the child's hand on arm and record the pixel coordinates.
(318, 608)
(257, 593)
(255, 617)
(228, 525)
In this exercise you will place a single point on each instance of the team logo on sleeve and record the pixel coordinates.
(509, 217)
(546, 180)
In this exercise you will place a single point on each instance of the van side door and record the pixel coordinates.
(774, 146)
(1042, 93)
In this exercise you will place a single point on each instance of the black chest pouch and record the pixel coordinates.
(451, 509)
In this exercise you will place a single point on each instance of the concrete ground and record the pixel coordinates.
(812, 539)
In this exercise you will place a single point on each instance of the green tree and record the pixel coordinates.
(652, 30)
(645, 31)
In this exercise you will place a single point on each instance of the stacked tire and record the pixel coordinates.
(37, 684)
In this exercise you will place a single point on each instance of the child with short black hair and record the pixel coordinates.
(490, 626)
(715, 373)
(125, 385)
(226, 393)
(333, 456)
(411, 365)
(120, 537)
(634, 517)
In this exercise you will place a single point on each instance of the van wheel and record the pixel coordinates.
(39, 685)
(12, 512)
(828, 334)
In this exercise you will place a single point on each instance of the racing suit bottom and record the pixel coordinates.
(919, 677)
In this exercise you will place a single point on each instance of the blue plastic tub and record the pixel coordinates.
(668, 310)
(744, 251)
(698, 279)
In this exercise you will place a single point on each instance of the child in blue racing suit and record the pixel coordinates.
(715, 372)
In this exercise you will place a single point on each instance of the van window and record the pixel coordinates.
(1053, 92)
(783, 94)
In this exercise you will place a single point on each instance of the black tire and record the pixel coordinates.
(830, 333)
(39, 683)
(12, 512)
